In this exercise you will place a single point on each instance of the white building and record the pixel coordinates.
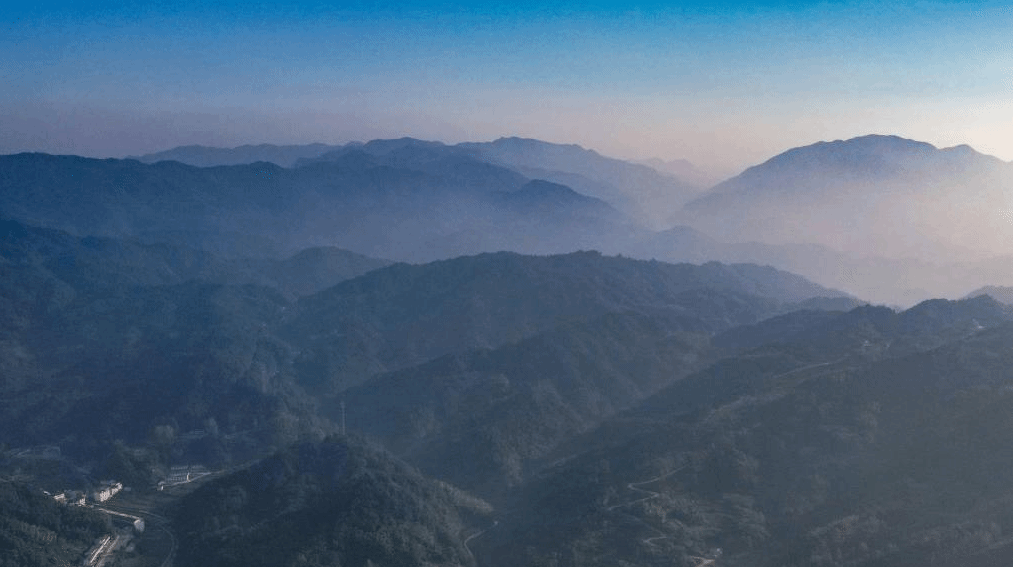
(106, 491)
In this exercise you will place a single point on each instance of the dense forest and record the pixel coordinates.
(338, 502)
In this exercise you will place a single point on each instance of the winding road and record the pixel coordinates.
(172, 550)
(650, 493)
(474, 535)
(155, 521)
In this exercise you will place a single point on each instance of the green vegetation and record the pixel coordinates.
(616, 411)
(508, 407)
(786, 455)
(335, 503)
(35, 531)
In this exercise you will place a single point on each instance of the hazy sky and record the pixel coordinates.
(721, 84)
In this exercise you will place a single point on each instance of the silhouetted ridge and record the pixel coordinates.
(204, 156)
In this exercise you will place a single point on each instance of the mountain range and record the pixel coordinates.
(638, 190)
(160, 334)
(404, 352)
(205, 156)
(888, 219)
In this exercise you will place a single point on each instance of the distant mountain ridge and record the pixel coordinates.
(634, 188)
(398, 199)
(882, 193)
(406, 204)
(206, 156)
(1001, 293)
(871, 157)
(683, 169)
(889, 219)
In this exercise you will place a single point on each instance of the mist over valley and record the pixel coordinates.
(404, 352)
(446, 284)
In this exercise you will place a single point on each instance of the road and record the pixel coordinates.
(810, 367)
(172, 549)
(473, 536)
(650, 493)
(115, 513)
(98, 556)
(152, 521)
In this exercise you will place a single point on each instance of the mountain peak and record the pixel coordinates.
(882, 147)
(874, 152)
(885, 140)
(871, 158)
(877, 192)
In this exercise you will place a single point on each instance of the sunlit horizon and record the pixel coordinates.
(724, 86)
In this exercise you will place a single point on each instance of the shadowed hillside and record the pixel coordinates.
(337, 502)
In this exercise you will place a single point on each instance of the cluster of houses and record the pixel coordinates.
(105, 490)
(74, 497)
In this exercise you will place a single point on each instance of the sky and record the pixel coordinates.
(722, 84)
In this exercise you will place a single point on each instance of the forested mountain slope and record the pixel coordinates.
(335, 502)
(792, 453)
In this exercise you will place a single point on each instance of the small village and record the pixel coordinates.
(128, 527)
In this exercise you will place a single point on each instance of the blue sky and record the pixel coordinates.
(722, 84)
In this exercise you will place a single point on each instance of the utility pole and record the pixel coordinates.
(342, 417)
